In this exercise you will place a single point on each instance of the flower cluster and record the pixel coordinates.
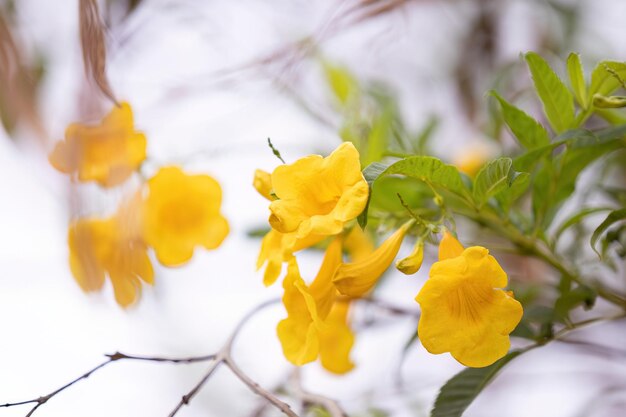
(315, 201)
(172, 213)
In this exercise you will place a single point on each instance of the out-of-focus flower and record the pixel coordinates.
(471, 161)
(181, 212)
(464, 309)
(355, 279)
(316, 323)
(358, 244)
(412, 263)
(318, 195)
(110, 247)
(107, 153)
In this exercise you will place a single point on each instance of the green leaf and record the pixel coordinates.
(603, 81)
(430, 170)
(581, 295)
(577, 79)
(612, 218)
(557, 100)
(342, 83)
(577, 218)
(378, 137)
(492, 179)
(459, 392)
(370, 173)
(529, 132)
(517, 188)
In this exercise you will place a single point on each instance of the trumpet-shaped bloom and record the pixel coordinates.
(471, 161)
(465, 311)
(107, 153)
(316, 324)
(412, 263)
(101, 247)
(181, 212)
(357, 278)
(318, 195)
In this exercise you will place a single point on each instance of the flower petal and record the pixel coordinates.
(449, 247)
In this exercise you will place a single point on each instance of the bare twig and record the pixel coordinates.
(225, 356)
(329, 404)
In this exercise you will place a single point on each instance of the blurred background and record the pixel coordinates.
(209, 82)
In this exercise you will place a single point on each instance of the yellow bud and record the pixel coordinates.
(412, 263)
(263, 184)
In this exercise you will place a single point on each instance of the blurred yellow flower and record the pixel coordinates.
(112, 247)
(107, 153)
(471, 161)
(464, 309)
(180, 212)
(318, 195)
(412, 263)
(316, 323)
(355, 279)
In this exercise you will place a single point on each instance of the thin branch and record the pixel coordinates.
(225, 356)
(329, 404)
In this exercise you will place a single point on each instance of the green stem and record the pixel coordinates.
(530, 247)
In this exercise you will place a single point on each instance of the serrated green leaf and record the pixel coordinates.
(430, 170)
(529, 132)
(492, 179)
(518, 187)
(370, 173)
(557, 100)
(603, 82)
(614, 217)
(460, 391)
(577, 79)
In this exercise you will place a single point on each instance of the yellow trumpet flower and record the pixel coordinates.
(357, 278)
(107, 153)
(465, 310)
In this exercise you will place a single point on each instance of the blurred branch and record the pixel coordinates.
(93, 45)
(329, 404)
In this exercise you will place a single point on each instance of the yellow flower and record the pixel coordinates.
(180, 212)
(107, 153)
(449, 247)
(263, 184)
(318, 195)
(316, 323)
(412, 263)
(357, 278)
(277, 248)
(464, 309)
(112, 247)
(358, 244)
(471, 161)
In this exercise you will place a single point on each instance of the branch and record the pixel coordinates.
(329, 404)
(223, 356)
